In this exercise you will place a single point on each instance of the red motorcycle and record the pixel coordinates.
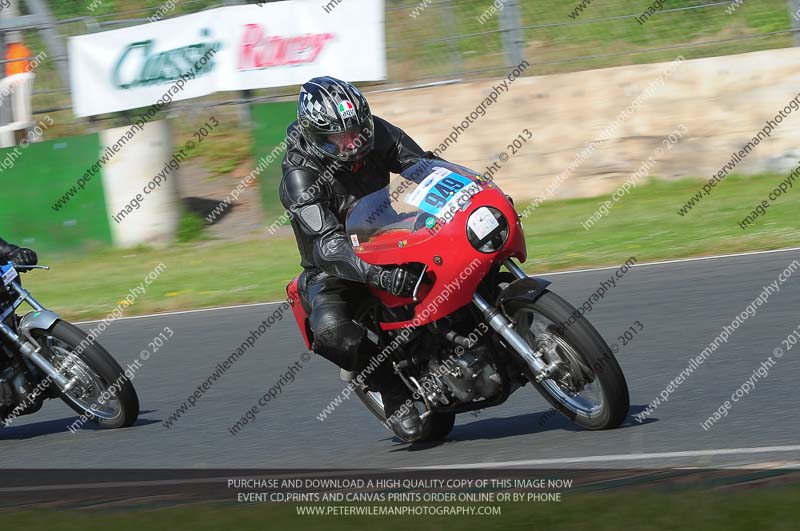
(477, 328)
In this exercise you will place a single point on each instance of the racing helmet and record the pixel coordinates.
(335, 119)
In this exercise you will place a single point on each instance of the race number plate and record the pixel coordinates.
(9, 274)
(440, 190)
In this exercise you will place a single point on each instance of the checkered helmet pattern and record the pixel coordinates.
(327, 105)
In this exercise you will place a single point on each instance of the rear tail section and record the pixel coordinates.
(300, 314)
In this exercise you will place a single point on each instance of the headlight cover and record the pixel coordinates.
(487, 229)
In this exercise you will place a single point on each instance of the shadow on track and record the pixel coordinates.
(51, 427)
(527, 424)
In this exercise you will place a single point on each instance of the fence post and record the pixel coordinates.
(52, 38)
(794, 16)
(243, 107)
(455, 48)
(513, 38)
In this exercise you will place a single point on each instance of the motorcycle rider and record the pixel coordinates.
(18, 255)
(337, 153)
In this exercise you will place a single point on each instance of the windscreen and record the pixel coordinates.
(424, 196)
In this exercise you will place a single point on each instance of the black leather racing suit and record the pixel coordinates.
(334, 276)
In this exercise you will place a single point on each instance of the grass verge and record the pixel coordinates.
(649, 510)
(644, 224)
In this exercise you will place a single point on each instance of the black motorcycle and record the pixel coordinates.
(42, 356)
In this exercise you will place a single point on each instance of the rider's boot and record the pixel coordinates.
(399, 408)
(401, 415)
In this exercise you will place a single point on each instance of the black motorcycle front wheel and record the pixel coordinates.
(590, 388)
(103, 393)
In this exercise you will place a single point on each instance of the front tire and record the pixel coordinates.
(98, 375)
(587, 360)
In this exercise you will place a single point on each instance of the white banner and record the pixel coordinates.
(228, 48)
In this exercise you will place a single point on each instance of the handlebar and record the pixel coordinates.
(24, 268)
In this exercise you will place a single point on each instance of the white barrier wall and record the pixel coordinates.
(140, 189)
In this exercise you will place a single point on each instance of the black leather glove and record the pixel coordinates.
(23, 256)
(397, 280)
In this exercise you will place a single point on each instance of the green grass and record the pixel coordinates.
(227, 145)
(191, 227)
(764, 509)
(196, 275)
(643, 224)
(589, 34)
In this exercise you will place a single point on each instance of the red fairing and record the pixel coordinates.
(460, 267)
(300, 315)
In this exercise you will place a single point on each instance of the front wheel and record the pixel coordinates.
(103, 393)
(589, 387)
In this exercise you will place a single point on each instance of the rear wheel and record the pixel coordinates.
(589, 386)
(103, 393)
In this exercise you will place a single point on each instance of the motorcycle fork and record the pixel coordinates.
(26, 346)
(504, 327)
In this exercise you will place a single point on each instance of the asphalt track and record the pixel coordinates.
(682, 305)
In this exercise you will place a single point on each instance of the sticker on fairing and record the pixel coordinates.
(482, 222)
(440, 189)
(9, 274)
